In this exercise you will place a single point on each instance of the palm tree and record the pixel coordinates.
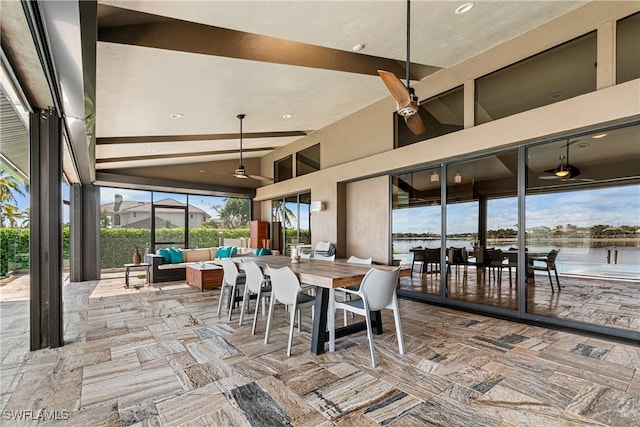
(289, 216)
(8, 186)
(9, 213)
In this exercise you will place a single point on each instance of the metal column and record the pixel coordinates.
(45, 239)
(85, 233)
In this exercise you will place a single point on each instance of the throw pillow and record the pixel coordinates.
(166, 257)
(224, 252)
(234, 250)
(175, 254)
(266, 251)
(259, 251)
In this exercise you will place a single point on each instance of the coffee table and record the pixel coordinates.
(204, 276)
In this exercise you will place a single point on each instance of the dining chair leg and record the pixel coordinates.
(222, 288)
(291, 326)
(557, 280)
(370, 336)
(299, 321)
(255, 312)
(232, 301)
(266, 333)
(550, 281)
(245, 302)
(396, 316)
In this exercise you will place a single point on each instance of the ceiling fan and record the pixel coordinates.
(241, 171)
(565, 170)
(406, 99)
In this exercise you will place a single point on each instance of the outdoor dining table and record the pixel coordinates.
(326, 276)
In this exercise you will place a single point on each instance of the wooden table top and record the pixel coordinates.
(326, 274)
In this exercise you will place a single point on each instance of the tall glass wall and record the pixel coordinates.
(416, 226)
(153, 220)
(583, 203)
(579, 257)
(293, 213)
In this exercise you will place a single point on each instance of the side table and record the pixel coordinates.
(128, 268)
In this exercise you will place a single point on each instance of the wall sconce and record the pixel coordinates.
(457, 178)
(317, 206)
(435, 177)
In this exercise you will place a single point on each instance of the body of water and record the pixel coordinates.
(577, 258)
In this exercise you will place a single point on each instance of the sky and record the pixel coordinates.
(581, 208)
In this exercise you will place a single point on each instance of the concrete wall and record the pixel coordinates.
(360, 146)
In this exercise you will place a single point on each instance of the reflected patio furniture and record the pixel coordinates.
(457, 257)
(419, 255)
(432, 258)
(547, 264)
(495, 262)
(511, 261)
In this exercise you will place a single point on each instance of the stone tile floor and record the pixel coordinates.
(159, 356)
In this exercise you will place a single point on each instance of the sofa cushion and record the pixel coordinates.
(165, 254)
(175, 254)
(197, 255)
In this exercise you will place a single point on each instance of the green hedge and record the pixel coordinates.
(117, 244)
(14, 248)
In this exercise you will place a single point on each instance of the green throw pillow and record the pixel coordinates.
(266, 251)
(166, 256)
(259, 251)
(176, 255)
(224, 252)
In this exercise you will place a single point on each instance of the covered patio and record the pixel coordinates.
(159, 356)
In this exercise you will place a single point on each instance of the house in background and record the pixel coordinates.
(135, 214)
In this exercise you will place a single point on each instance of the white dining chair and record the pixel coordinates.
(355, 260)
(324, 257)
(286, 289)
(232, 280)
(377, 291)
(256, 284)
(345, 296)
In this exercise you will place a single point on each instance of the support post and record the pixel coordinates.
(45, 142)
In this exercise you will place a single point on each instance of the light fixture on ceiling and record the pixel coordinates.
(435, 176)
(598, 136)
(358, 47)
(152, 150)
(240, 172)
(556, 95)
(562, 170)
(287, 116)
(176, 115)
(464, 8)
(457, 178)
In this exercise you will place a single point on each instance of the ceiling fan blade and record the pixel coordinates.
(416, 124)
(398, 90)
(261, 178)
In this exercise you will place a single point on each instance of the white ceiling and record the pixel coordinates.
(139, 87)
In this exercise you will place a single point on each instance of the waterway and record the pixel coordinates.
(586, 258)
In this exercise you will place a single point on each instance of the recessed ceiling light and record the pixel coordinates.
(600, 135)
(464, 8)
(358, 47)
(151, 150)
(287, 116)
(583, 145)
(556, 95)
(176, 115)
(201, 170)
